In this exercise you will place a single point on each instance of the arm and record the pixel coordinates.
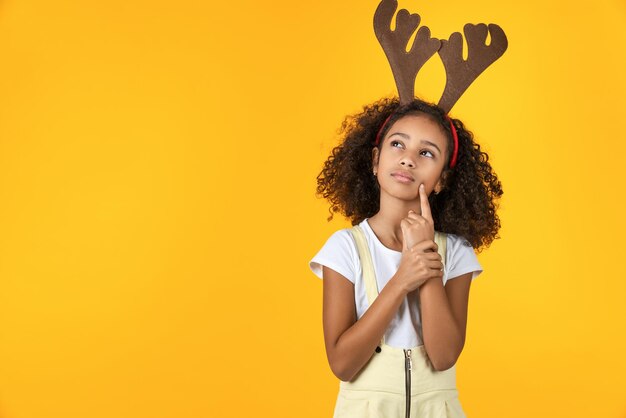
(351, 343)
(444, 319)
(443, 310)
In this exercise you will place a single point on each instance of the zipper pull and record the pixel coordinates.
(407, 353)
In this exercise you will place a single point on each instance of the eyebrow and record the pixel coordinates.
(424, 141)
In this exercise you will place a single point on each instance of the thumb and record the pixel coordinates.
(403, 227)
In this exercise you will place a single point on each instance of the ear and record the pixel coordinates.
(375, 155)
(441, 183)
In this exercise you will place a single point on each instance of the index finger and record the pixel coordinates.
(424, 205)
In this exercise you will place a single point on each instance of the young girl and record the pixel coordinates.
(395, 291)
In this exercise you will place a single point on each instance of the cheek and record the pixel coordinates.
(385, 156)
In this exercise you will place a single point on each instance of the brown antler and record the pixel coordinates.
(404, 65)
(459, 73)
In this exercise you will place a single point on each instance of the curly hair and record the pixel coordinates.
(467, 204)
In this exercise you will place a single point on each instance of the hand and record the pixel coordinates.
(418, 265)
(417, 228)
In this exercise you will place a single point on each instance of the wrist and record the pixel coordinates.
(397, 287)
(433, 282)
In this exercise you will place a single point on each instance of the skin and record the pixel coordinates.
(416, 146)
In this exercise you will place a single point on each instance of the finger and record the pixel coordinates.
(427, 259)
(434, 255)
(436, 274)
(404, 225)
(428, 254)
(433, 274)
(413, 215)
(425, 245)
(435, 265)
(424, 205)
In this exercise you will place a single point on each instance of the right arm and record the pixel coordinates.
(351, 343)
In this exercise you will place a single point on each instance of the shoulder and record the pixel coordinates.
(338, 253)
(460, 257)
(458, 242)
(340, 241)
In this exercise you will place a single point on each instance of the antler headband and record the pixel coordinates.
(460, 73)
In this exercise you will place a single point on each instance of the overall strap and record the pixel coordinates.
(441, 239)
(369, 275)
(367, 267)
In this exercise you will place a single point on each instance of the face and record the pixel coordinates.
(413, 152)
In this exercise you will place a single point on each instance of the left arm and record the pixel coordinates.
(443, 309)
(444, 319)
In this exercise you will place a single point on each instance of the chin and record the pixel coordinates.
(408, 194)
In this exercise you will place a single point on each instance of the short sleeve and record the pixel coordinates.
(461, 258)
(338, 253)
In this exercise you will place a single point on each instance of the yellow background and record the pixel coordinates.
(158, 209)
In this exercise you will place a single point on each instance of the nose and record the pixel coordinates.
(406, 161)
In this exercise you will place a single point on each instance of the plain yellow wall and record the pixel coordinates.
(158, 209)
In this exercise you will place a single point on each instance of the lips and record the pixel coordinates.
(403, 176)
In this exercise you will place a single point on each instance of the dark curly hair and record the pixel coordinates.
(467, 204)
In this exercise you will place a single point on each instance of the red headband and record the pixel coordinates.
(455, 137)
(382, 127)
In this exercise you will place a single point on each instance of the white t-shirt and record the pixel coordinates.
(340, 254)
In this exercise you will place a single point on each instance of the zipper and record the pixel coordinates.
(408, 365)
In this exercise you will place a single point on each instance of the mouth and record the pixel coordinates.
(403, 176)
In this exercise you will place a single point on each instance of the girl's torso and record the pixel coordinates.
(340, 254)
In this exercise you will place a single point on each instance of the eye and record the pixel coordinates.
(431, 155)
(395, 143)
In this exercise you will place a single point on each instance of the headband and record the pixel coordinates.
(460, 73)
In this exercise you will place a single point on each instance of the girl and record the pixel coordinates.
(395, 291)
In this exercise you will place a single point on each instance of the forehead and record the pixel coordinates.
(420, 126)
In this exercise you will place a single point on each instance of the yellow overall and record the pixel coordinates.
(397, 382)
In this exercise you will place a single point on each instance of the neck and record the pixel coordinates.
(386, 222)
